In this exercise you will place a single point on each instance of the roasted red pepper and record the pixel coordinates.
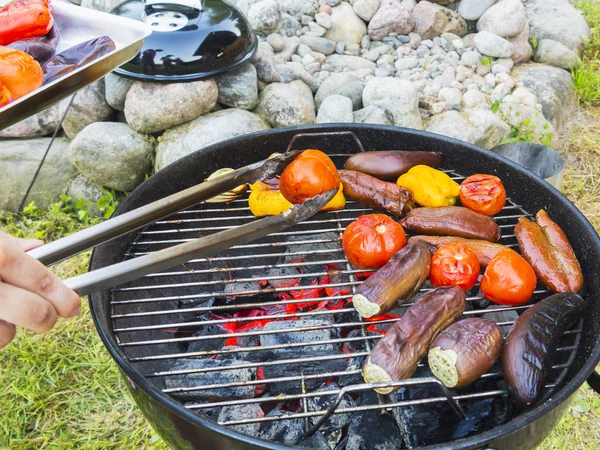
(19, 73)
(22, 19)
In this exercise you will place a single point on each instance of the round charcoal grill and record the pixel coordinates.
(259, 347)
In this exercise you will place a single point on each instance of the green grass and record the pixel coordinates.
(587, 77)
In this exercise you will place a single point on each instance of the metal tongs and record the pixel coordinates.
(135, 268)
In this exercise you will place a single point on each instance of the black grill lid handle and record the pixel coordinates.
(132, 269)
(90, 237)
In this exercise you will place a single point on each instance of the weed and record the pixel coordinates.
(496, 105)
(534, 43)
(486, 60)
(586, 78)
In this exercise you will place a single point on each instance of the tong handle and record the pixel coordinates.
(135, 268)
(66, 247)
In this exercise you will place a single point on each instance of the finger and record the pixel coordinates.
(26, 309)
(29, 244)
(21, 270)
(7, 333)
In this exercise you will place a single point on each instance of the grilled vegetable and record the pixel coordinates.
(311, 173)
(19, 73)
(398, 281)
(5, 95)
(397, 354)
(546, 247)
(465, 351)
(377, 194)
(484, 194)
(508, 280)
(431, 187)
(531, 345)
(484, 250)
(22, 19)
(371, 240)
(388, 165)
(452, 221)
(40, 48)
(226, 196)
(454, 265)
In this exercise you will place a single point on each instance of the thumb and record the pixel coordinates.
(29, 244)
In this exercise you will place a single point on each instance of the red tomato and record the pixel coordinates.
(508, 279)
(454, 265)
(312, 173)
(484, 194)
(371, 240)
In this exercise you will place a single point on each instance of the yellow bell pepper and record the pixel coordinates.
(267, 200)
(432, 187)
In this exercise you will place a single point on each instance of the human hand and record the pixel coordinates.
(30, 295)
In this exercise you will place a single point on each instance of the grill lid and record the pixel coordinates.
(190, 40)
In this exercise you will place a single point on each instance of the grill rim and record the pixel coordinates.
(522, 420)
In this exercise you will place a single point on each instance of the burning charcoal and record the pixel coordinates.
(371, 430)
(242, 412)
(197, 302)
(232, 288)
(301, 336)
(333, 438)
(210, 378)
(337, 421)
(282, 431)
(208, 413)
(354, 364)
(501, 316)
(205, 345)
(315, 442)
(306, 250)
(290, 273)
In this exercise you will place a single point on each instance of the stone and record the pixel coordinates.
(265, 66)
(19, 160)
(473, 9)
(84, 189)
(471, 57)
(409, 4)
(314, 29)
(238, 88)
(319, 44)
(504, 78)
(293, 71)
(499, 68)
(522, 48)
(337, 63)
(473, 98)
(366, 9)
(477, 126)
(398, 96)
(529, 117)
(432, 20)
(264, 16)
(204, 131)
(558, 20)
(414, 40)
(323, 20)
(285, 105)
(493, 45)
(506, 62)
(101, 5)
(499, 92)
(391, 17)
(288, 25)
(505, 18)
(89, 106)
(276, 41)
(553, 87)
(343, 84)
(353, 50)
(406, 63)
(325, 9)
(290, 46)
(490, 79)
(153, 107)
(37, 125)
(346, 26)
(113, 155)
(450, 96)
(116, 89)
(556, 54)
(298, 8)
(374, 115)
(335, 108)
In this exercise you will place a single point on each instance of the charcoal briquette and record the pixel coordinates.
(242, 412)
(287, 431)
(306, 336)
(354, 378)
(316, 442)
(336, 421)
(371, 430)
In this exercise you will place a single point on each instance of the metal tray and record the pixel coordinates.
(78, 25)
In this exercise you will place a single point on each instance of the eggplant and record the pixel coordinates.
(484, 250)
(465, 351)
(452, 221)
(545, 246)
(40, 48)
(397, 354)
(396, 282)
(377, 194)
(532, 343)
(388, 165)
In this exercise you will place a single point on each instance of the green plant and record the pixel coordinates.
(108, 203)
(534, 43)
(495, 105)
(586, 77)
(486, 60)
(526, 131)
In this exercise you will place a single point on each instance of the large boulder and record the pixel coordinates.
(391, 17)
(375, 115)
(558, 20)
(346, 26)
(556, 54)
(284, 105)
(88, 106)
(553, 87)
(204, 131)
(335, 109)
(153, 107)
(477, 126)
(474, 9)
(506, 19)
(397, 96)
(238, 88)
(37, 125)
(433, 20)
(19, 160)
(116, 88)
(342, 84)
(113, 155)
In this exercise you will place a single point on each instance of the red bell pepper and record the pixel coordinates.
(22, 19)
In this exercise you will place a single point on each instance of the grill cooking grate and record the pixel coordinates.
(184, 315)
